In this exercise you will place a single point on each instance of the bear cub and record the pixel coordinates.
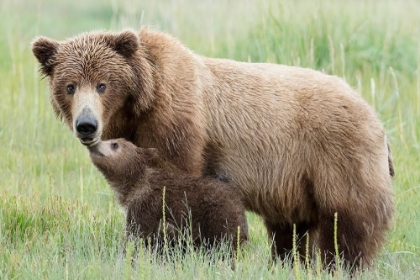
(209, 210)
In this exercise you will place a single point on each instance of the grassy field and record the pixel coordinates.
(59, 219)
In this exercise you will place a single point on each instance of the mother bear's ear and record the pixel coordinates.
(44, 50)
(125, 43)
(128, 44)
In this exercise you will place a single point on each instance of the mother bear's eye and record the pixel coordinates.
(114, 146)
(71, 88)
(100, 88)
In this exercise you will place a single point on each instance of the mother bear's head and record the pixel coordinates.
(94, 76)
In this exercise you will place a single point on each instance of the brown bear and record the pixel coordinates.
(207, 209)
(297, 144)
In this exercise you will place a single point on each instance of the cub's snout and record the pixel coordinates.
(104, 148)
(95, 150)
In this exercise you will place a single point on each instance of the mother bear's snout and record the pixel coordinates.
(86, 125)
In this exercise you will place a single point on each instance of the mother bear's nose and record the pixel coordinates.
(86, 123)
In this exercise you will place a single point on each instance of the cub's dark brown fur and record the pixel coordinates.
(209, 210)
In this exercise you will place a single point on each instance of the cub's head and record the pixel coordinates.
(119, 159)
(93, 76)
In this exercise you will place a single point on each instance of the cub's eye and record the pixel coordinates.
(114, 146)
(71, 88)
(101, 88)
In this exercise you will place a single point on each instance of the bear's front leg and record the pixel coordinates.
(184, 145)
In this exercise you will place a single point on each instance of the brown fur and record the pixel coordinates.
(209, 210)
(297, 144)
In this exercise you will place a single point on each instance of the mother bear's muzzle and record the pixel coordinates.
(86, 127)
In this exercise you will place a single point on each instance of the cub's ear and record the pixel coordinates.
(125, 43)
(151, 153)
(152, 158)
(44, 50)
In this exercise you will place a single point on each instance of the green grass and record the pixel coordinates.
(59, 219)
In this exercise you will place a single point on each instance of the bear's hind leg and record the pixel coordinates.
(355, 245)
(364, 210)
(281, 234)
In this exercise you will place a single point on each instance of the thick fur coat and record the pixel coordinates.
(204, 210)
(298, 145)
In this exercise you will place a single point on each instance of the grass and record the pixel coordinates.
(58, 218)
